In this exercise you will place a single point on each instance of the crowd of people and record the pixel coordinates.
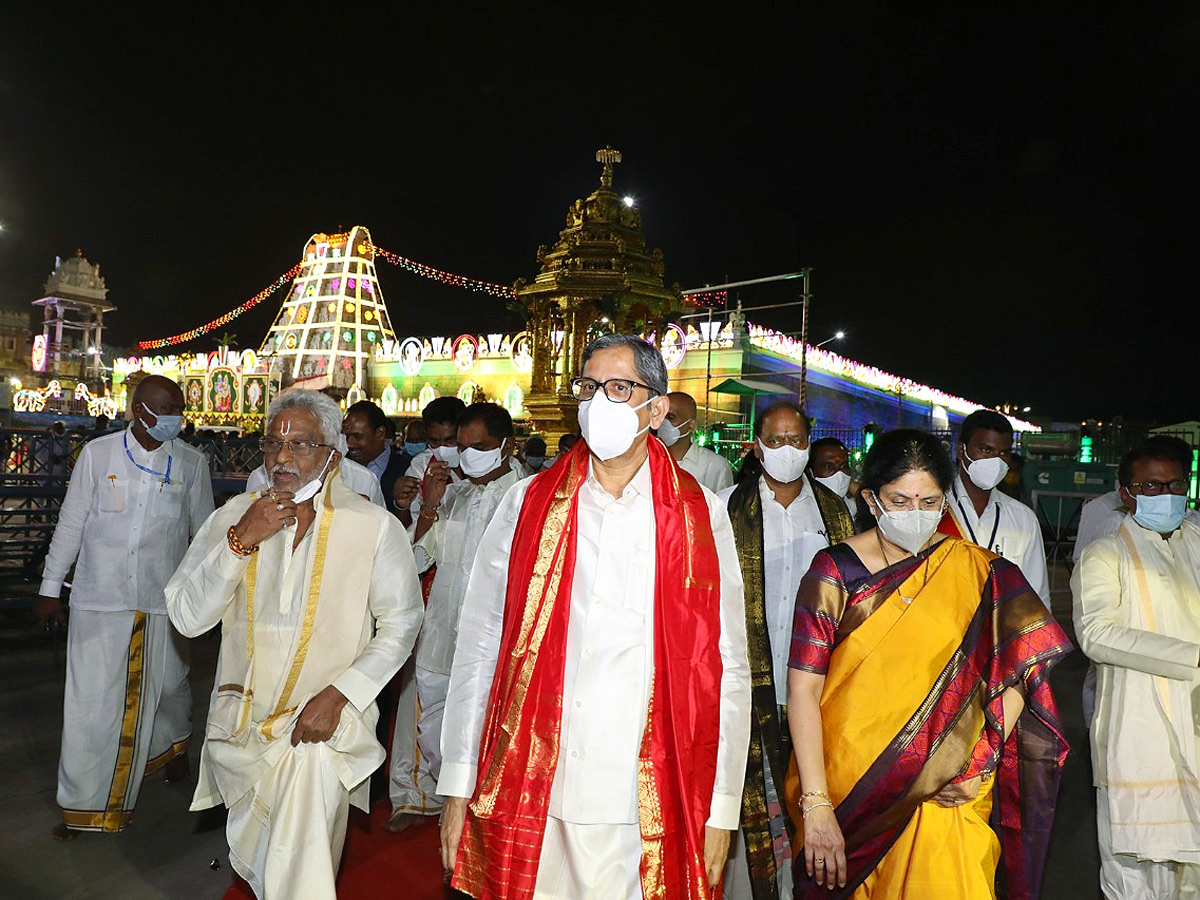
(620, 671)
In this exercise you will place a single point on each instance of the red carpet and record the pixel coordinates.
(378, 864)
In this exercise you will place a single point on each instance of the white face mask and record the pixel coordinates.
(985, 474)
(477, 463)
(908, 528)
(310, 489)
(609, 428)
(838, 482)
(785, 464)
(669, 433)
(447, 454)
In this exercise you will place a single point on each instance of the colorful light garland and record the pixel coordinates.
(225, 319)
(471, 284)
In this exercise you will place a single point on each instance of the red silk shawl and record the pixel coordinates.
(506, 818)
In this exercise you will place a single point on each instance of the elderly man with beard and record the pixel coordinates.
(316, 592)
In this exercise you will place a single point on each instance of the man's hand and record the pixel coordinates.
(437, 476)
(265, 516)
(48, 608)
(716, 852)
(404, 491)
(956, 794)
(319, 718)
(454, 815)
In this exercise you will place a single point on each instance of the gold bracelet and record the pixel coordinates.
(808, 794)
(805, 810)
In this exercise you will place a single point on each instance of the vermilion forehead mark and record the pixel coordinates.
(287, 427)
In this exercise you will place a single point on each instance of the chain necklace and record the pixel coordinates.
(892, 575)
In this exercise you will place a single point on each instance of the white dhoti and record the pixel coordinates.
(289, 830)
(412, 788)
(431, 703)
(589, 862)
(1124, 876)
(127, 711)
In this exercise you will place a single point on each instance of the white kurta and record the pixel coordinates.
(1007, 527)
(710, 469)
(1137, 615)
(356, 636)
(609, 663)
(127, 707)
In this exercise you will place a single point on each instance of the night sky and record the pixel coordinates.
(997, 204)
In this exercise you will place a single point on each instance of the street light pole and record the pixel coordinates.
(806, 275)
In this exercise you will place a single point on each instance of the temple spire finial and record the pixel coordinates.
(607, 157)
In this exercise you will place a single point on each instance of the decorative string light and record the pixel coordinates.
(225, 319)
(471, 284)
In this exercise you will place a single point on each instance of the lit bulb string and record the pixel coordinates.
(471, 284)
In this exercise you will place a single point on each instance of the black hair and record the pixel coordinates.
(893, 455)
(776, 407)
(983, 420)
(647, 361)
(535, 443)
(1164, 447)
(495, 419)
(822, 443)
(442, 411)
(374, 415)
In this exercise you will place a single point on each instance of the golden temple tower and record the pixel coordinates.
(598, 278)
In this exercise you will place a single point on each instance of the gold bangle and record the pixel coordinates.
(808, 794)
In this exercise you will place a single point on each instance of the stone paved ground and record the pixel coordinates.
(166, 852)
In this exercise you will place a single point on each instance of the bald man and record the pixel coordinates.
(709, 469)
(134, 500)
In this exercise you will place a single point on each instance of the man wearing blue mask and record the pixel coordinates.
(1137, 616)
(711, 470)
(135, 499)
(979, 513)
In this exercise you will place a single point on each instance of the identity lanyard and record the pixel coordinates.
(991, 544)
(166, 476)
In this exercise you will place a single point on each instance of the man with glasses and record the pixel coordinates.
(780, 520)
(980, 513)
(711, 470)
(598, 710)
(316, 592)
(1137, 616)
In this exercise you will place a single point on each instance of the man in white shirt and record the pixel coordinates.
(449, 528)
(318, 600)
(711, 470)
(598, 710)
(440, 416)
(780, 520)
(829, 463)
(979, 513)
(134, 501)
(1137, 615)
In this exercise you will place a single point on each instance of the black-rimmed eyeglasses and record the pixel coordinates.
(618, 390)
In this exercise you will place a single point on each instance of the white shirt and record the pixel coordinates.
(708, 468)
(792, 535)
(128, 527)
(609, 658)
(1008, 528)
(416, 469)
(450, 543)
(355, 476)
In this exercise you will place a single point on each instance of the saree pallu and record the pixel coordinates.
(506, 818)
(917, 658)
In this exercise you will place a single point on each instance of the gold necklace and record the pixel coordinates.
(892, 575)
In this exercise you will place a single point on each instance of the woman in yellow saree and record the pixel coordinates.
(926, 735)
